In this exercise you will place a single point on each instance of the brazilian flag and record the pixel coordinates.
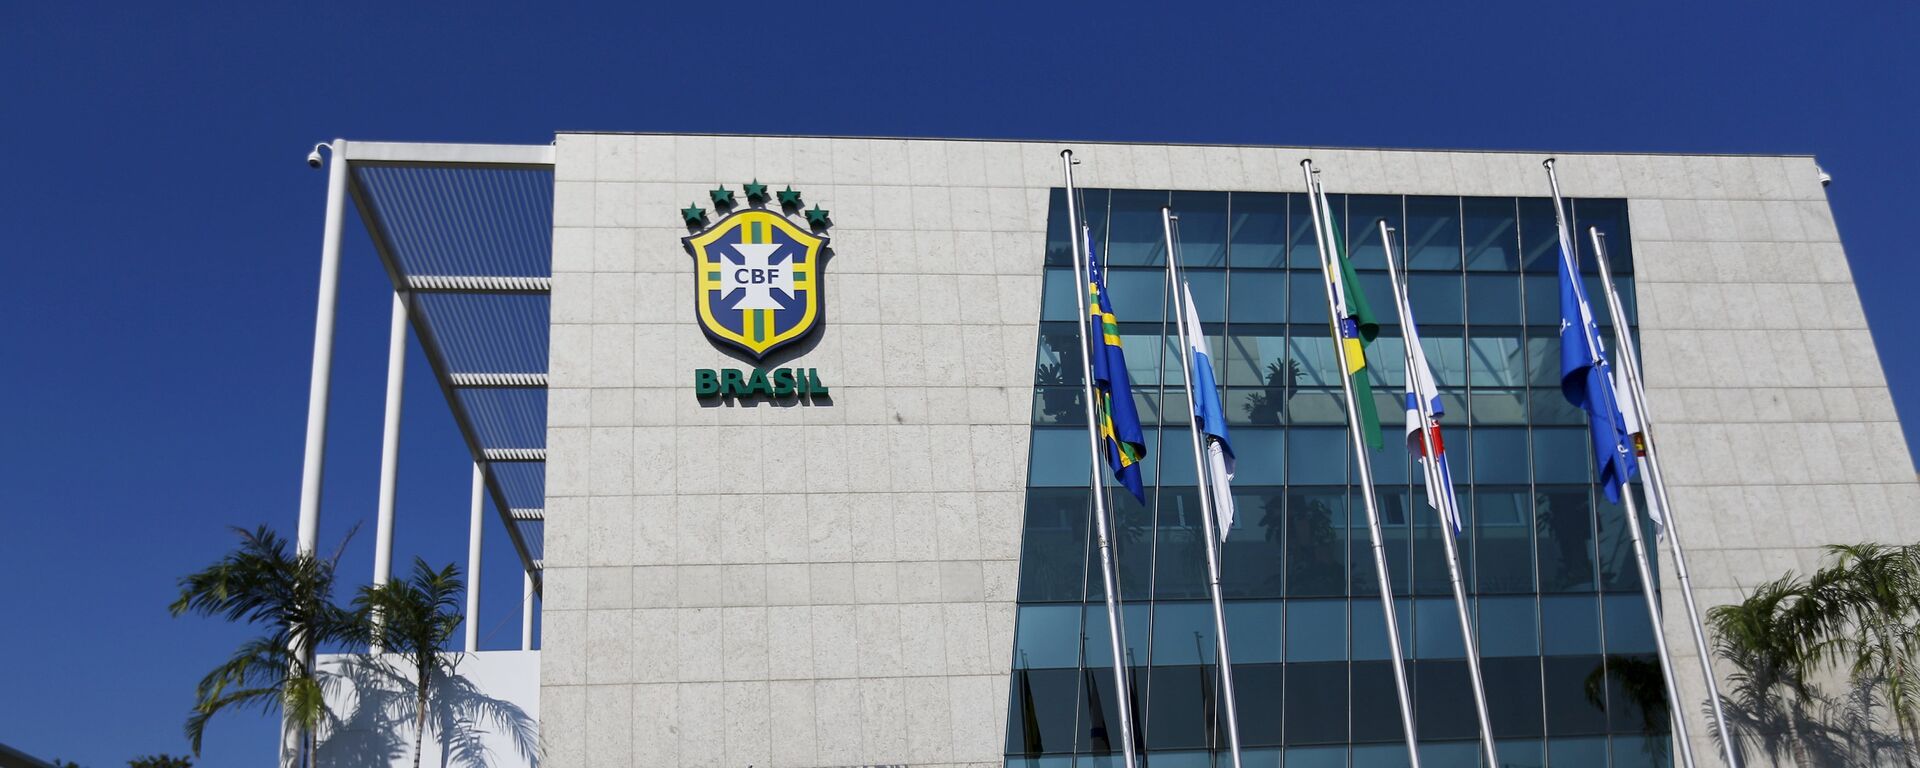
(1355, 327)
(1120, 436)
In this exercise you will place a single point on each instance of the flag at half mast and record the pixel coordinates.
(1354, 327)
(1586, 379)
(1121, 440)
(1210, 416)
(1421, 388)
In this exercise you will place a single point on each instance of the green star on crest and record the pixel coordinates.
(789, 196)
(721, 197)
(756, 192)
(693, 214)
(817, 216)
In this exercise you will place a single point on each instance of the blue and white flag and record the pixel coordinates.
(1211, 418)
(1587, 380)
(1422, 388)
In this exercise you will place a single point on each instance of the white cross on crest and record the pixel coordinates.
(758, 275)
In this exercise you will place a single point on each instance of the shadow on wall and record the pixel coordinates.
(374, 728)
(1823, 730)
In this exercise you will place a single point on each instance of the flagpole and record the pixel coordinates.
(1177, 285)
(1080, 272)
(1323, 237)
(1629, 355)
(1403, 304)
(1632, 509)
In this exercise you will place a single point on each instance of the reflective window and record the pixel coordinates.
(1492, 236)
(1560, 456)
(1059, 458)
(1503, 525)
(1493, 299)
(1316, 708)
(1048, 637)
(1570, 624)
(1259, 230)
(1569, 711)
(1432, 235)
(1316, 630)
(1563, 521)
(1436, 298)
(1317, 456)
(1316, 541)
(1182, 705)
(1046, 706)
(1135, 235)
(1443, 705)
(1253, 560)
(1380, 721)
(1258, 357)
(1370, 628)
(1364, 214)
(1539, 235)
(1496, 360)
(1256, 631)
(1260, 297)
(1263, 450)
(1500, 456)
(1201, 227)
(1513, 696)
(1436, 630)
(1629, 629)
(1509, 626)
(1611, 217)
(1578, 753)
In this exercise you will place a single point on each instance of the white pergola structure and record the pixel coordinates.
(465, 234)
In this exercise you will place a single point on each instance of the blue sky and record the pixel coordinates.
(156, 304)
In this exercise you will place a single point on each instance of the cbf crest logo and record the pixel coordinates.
(757, 281)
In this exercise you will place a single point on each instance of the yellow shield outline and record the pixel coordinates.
(739, 225)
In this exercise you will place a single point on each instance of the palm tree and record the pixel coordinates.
(415, 619)
(288, 595)
(1765, 637)
(1865, 607)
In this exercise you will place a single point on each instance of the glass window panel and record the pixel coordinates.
(1316, 709)
(1201, 227)
(1059, 458)
(1611, 217)
(1046, 706)
(1164, 759)
(1436, 299)
(1256, 356)
(1503, 525)
(1256, 631)
(1543, 304)
(1209, 288)
(1387, 371)
(1521, 753)
(1563, 519)
(1560, 456)
(1436, 630)
(1364, 212)
(1451, 754)
(1430, 572)
(1260, 297)
(1132, 549)
(1316, 630)
(1252, 561)
(1098, 651)
(1494, 299)
(1499, 456)
(1056, 761)
(1569, 712)
(1054, 544)
(1539, 235)
(1513, 696)
(1496, 359)
(1303, 250)
(1577, 753)
(1627, 624)
(1057, 296)
(1317, 757)
(1543, 358)
(1508, 627)
(1173, 456)
(1307, 297)
(1259, 231)
(1058, 406)
(1180, 558)
(1316, 406)
(1443, 706)
(1500, 407)
(1548, 407)
(1317, 456)
(1137, 296)
(1432, 235)
(1378, 716)
(1391, 465)
(1395, 539)
(1570, 624)
(1258, 453)
(1099, 730)
(1446, 355)
(1317, 541)
(1048, 637)
(1379, 295)
(1635, 751)
(1619, 570)
(1058, 362)
(1142, 345)
(1370, 630)
(1259, 710)
(1135, 236)
(1492, 238)
(1597, 300)
(1180, 709)
(1313, 351)
(1380, 755)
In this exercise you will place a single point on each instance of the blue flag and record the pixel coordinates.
(1120, 437)
(1587, 380)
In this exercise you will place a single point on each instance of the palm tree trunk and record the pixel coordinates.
(1800, 756)
(420, 716)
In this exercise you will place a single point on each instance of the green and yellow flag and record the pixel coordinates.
(1354, 327)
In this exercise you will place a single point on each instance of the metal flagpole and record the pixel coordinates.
(1402, 302)
(1323, 236)
(1178, 287)
(1080, 274)
(1632, 509)
(1629, 357)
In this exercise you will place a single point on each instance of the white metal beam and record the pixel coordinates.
(475, 526)
(478, 284)
(453, 154)
(516, 454)
(498, 380)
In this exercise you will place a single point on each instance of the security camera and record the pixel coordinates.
(1826, 179)
(313, 158)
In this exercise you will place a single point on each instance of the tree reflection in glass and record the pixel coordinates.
(1269, 404)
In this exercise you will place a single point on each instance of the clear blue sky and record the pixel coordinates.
(156, 292)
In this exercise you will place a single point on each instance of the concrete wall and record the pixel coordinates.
(834, 585)
(486, 714)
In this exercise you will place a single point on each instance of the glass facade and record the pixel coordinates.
(1547, 560)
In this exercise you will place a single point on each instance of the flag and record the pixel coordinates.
(1354, 328)
(1211, 418)
(1421, 388)
(1587, 380)
(1636, 434)
(1120, 436)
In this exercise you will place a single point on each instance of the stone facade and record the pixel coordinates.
(839, 588)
